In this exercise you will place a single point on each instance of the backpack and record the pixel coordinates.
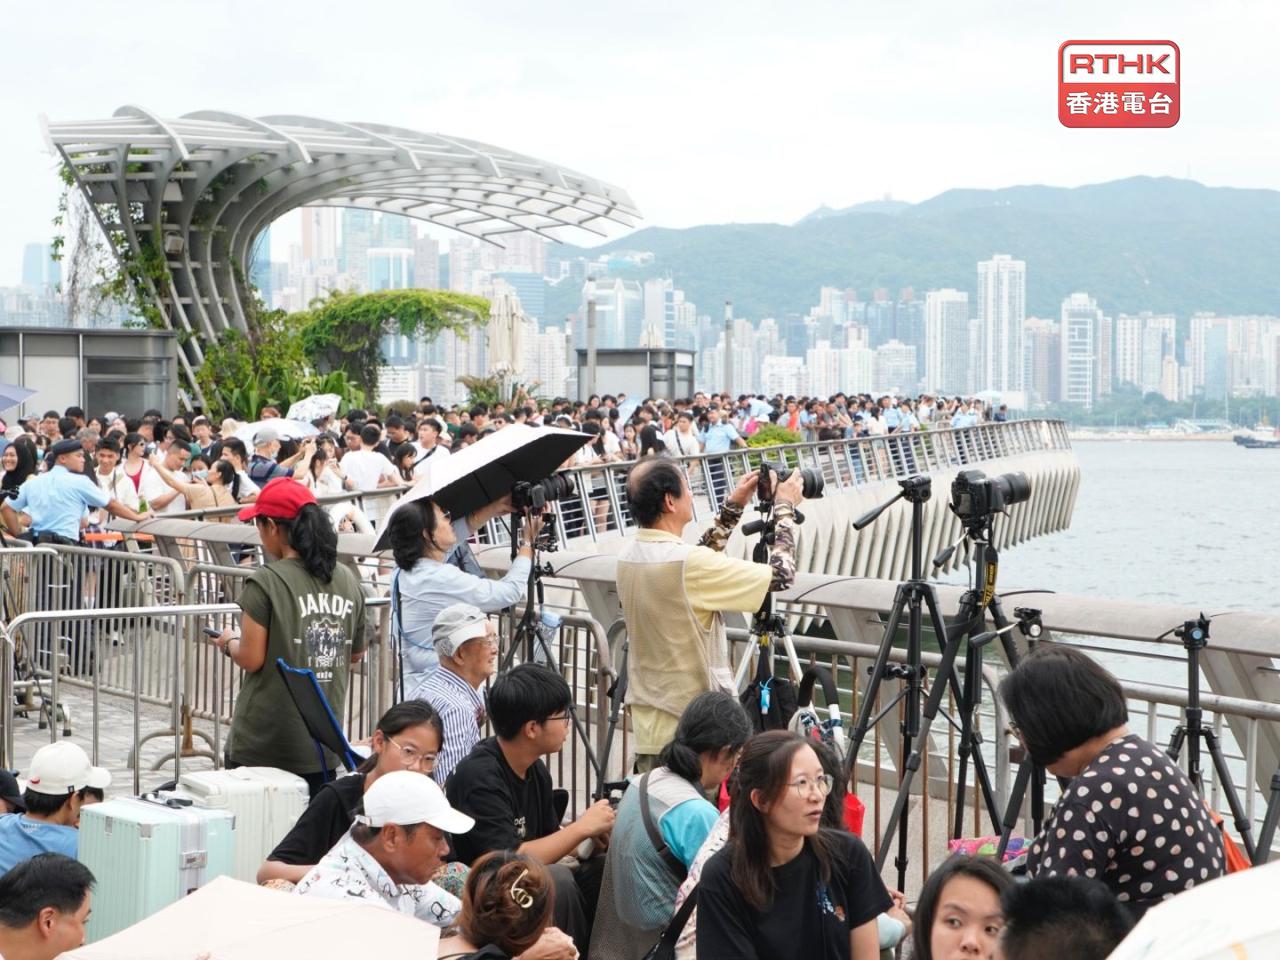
(770, 701)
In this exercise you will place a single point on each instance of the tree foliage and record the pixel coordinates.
(344, 331)
(240, 376)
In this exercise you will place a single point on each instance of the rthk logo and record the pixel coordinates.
(1118, 83)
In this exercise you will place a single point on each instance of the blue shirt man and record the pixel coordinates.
(56, 501)
(719, 437)
(58, 772)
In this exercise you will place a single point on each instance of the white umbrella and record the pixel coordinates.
(486, 470)
(1232, 918)
(228, 919)
(314, 407)
(284, 428)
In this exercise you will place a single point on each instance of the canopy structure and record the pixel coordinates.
(186, 198)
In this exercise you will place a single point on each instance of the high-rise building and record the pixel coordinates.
(784, 375)
(946, 351)
(1079, 359)
(394, 230)
(1128, 350)
(1042, 348)
(1104, 367)
(320, 238)
(40, 272)
(660, 312)
(619, 313)
(357, 238)
(426, 264)
(1214, 356)
(260, 265)
(545, 362)
(464, 264)
(531, 288)
(389, 268)
(1002, 307)
(895, 368)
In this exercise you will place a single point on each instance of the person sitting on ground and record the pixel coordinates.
(467, 643)
(506, 787)
(506, 909)
(57, 773)
(408, 737)
(958, 915)
(639, 891)
(1061, 918)
(44, 903)
(1129, 817)
(437, 569)
(10, 794)
(785, 887)
(393, 849)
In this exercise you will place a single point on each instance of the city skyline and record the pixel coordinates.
(810, 92)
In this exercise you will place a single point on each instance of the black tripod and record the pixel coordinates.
(1262, 852)
(1194, 635)
(527, 635)
(911, 596)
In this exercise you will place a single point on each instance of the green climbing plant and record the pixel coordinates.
(343, 332)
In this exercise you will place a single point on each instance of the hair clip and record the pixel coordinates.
(520, 895)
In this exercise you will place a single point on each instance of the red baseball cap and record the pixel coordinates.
(280, 499)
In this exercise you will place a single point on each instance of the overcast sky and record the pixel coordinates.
(705, 112)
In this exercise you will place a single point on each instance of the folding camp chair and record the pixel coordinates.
(317, 715)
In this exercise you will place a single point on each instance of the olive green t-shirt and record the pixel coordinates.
(310, 624)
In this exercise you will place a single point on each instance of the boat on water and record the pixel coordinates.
(1259, 438)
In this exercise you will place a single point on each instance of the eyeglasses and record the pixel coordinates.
(559, 716)
(804, 787)
(413, 758)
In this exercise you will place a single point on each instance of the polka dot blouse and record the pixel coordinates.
(1133, 820)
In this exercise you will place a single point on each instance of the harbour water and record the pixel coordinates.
(1164, 521)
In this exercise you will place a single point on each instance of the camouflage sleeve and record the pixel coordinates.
(782, 555)
(718, 535)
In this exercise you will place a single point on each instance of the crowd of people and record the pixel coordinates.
(729, 841)
(157, 464)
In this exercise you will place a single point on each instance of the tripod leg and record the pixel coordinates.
(921, 740)
(1233, 798)
(1014, 807)
(1262, 852)
(868, 704)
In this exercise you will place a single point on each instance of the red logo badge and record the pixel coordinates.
(1118, 83)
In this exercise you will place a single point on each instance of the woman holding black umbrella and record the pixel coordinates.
(422, 536)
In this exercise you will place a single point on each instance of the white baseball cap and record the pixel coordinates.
(405, 797)
(62, 768)
(455, 625)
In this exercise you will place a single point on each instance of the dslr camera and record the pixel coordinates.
(975, 495)
(535, 495)
(772, 474)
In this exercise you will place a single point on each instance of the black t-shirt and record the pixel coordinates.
(508, 809)
(322, 824)
(808, 918)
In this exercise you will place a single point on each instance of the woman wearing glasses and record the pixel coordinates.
(436, 570)
(785, 887)
(409, 737)
(304, 608)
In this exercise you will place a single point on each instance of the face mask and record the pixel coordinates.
(200, 474)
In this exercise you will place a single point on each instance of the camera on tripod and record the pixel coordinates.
(772, 474)
(535, 495)
(975, 495)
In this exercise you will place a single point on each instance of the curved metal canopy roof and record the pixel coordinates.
(206, 184)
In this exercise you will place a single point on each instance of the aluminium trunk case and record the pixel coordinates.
(266, 803)
(146, 854)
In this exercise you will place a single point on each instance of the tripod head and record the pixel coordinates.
(1194, 634)
(915, 490)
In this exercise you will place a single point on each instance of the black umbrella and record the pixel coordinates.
(485, 471)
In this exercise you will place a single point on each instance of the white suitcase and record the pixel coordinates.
(147, 854)
(266, 803)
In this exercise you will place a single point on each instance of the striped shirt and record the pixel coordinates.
(461, 708)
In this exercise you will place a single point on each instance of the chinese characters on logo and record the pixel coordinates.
(1118, 83)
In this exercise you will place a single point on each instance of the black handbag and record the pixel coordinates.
(665, 948)
(770, 701)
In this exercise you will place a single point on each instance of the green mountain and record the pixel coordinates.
(1142, 243)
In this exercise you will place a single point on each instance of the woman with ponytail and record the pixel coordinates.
(638, 897)
(303, 607)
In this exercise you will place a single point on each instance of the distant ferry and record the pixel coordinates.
(1259, 438)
